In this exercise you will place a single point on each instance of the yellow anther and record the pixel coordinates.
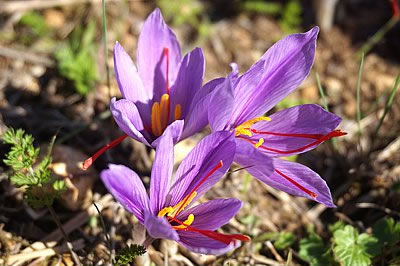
(164, 109)
(178, 111)
(244, 129)
(172, 211)
(164, 211)
(186, 223)
(259, 143)
(156, 120)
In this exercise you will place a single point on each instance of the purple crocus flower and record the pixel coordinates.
(260, 140)
(164, 213)
(162, 89)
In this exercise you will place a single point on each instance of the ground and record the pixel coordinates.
(361, 169)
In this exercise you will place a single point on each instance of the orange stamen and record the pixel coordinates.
(218, 166)
(312, 194)
(88, 162)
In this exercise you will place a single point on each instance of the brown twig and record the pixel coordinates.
(25, 256)
(68, 243)
(26, 56)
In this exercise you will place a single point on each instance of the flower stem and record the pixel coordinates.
(147, 242)
(105, 232)
(69, 245)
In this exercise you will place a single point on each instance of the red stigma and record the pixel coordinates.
(224, 238)
(166, 54)
(395, 8)
(307, 136)
(318, 139)
(88, 162)
(309, 192)
(218, 166)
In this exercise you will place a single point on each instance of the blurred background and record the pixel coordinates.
(53, 80)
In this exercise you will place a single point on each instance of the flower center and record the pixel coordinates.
(245, 132)
(160, 111)
(244, 129)
(171, 213)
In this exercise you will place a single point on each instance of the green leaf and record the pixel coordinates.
(36, 197)
(336, 226)
(291, 17)
(285, 240)
(20, 179)
(76, 59)
(126, 255)
(262, 7)
(35, 22)
(59, 185)
(314, 251)
(350, 248)
(387, 231)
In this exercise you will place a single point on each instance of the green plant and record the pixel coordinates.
(349, 247)
(315, 251)
(76, 59)
(126, 255)
(27, 172)
(291, 17)
(262, 7)
(352, 248)
(40, 187)
(35, 21)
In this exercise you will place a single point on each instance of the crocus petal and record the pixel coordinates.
(306, 119)
(175, 129)
(221, 106)
(212, 214)
(127, 116)
(256, 162)
(303, 176)
(154, 37)
(161, 171)
(286, 64)
(129, 82)
(197, 118)
(159, 227)
(204, 157)
(127, 188)
(199, 243)
(188, 81)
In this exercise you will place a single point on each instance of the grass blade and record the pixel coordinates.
(358, 93)
(321, 92)
(388, 104)
(325, 104)
(378, 36)
(106, 47)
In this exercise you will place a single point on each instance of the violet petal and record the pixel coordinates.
(286, 64)
(188, 82)
(127, 188)
(127, 116)
(212, 214)
(302, 119)
(159, 227)
(205, 156)
(154, 37)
